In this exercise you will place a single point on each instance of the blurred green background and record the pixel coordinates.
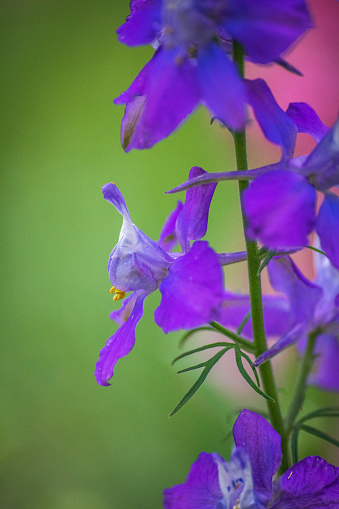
(66, 442)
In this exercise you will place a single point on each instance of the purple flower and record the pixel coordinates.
(281, 203)
(191, 63)
(191, 282)
(313, 308)
(246, 481)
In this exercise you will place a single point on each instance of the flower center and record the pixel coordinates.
(118, 294)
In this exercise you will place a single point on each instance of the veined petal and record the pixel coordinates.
(201, 489)
(280, 208)
(136, 262)
(327, 227)
(143, 24)
(192, 220)
(121, 315)
(312, 483)
(266, 28)
(159, 99)
(222, 90)
(120, 344)
(192, 291)
(262, 444)
(306, 120)
(168, 236)
(275, 124)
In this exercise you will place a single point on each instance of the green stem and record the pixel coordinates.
(253, 263)
(244, 343)
(300, 384)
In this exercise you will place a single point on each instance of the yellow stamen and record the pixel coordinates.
(118, 294)
(238, 504)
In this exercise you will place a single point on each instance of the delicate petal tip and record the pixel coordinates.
(119, 345)
(306, 120)
(113, 195)
(280, 208)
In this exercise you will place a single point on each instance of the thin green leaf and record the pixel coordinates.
(330, 411)
(244, 322)
(252, 368)
(243, 372)
(193, 331)
(208, 366)
(197, 366)
(268, 257)
(317, 250)
(202, 348)
(318, 433)
(294, 444)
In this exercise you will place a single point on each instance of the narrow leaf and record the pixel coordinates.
(294, 444)
(318, 433)
(266, 260)
(330, 411)
(208, 366)
(243, 372)
(202, 348)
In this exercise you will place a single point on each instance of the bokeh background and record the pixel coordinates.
(67, 443)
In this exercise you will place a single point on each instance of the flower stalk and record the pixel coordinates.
(253, 264)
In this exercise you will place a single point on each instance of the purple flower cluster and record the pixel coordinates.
(191, 282)
(248, 480)
(191, 64)
(281, 204)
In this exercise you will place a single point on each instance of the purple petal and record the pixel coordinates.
(201, 489)
(275, 124)
(280, 208)
(222, 90)
(328, 227)
(235, 307)
(168, 236)
(119, 345)
(312, 483)
(306, 120)
(192, 290)
(266, 28)
(323, 162)
(121, 315)
(289, 338)
(143, 24)
(325, 373)
(192, 221)
(159, 99)
(262, 444)
(303, 296)
(113, 195)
